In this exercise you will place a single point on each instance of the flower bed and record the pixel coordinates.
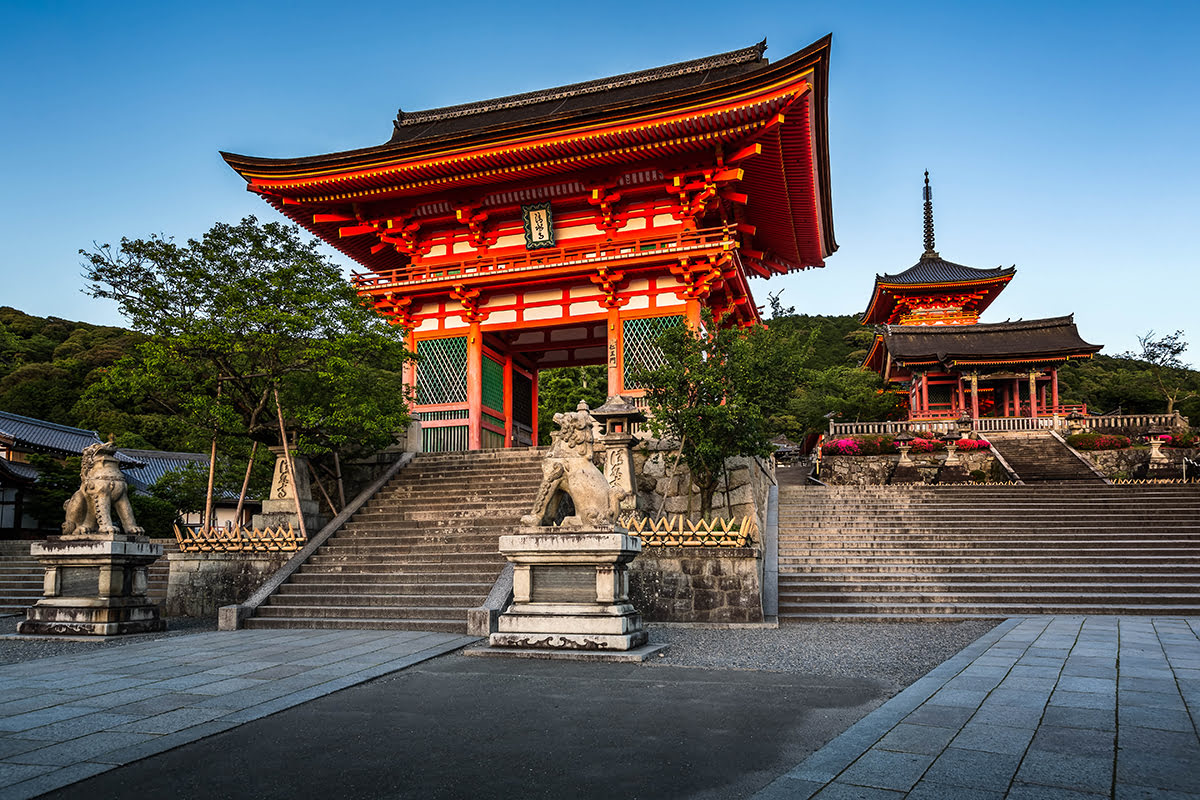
(1098, 441)
(868, 445)
(1188, 439)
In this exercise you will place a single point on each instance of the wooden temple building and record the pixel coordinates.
(930, 341)
(567, 227)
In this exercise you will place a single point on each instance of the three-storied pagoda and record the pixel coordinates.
(567, 227)
(930, 338)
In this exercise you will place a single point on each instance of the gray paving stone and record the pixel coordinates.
(1019, 698)
(226, 686)
(929, 790)
(1158, 770)
(843, 791)
(942, 716)
(1162, 718)
(1075, 683)
(909, 738)
(788, 788)
(12, 745)
(77, 726)
(1076, 772)
(82, 749)
(54, 779)
(884, 769)
(171, 721)
(974, 769)
(993, 738)
(1096, 719)
(1165, 684)
(1033, 791)
(1128, 791)
(15, 773)
(1012, 716)
(1073, 741)
(1083, 699)
(1168, 700)
(45, 716)
(1183, 744)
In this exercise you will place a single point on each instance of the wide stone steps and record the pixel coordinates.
(891, 553)
(419, 554)
(1038, 458)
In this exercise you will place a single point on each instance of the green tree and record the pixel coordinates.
(714, 393)
(562, 388)
(851, 393)
(250, 308)
(1161, 355)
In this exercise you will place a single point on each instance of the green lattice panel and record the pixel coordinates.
(640, 351)
(442, 371)
(493, 384)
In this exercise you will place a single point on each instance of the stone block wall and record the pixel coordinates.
(664, 486)
(200, 583)
(877, 470)
(1132, 462)
(692, 584)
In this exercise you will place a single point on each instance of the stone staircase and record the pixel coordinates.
(419, 554)
(953, 552)
(21, 576)
(1037, 457)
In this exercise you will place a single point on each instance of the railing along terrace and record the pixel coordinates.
(618, 250)
(1003, 424)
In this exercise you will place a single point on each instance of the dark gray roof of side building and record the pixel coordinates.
(37, 435)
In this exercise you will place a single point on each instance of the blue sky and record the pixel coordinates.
(1060, 137)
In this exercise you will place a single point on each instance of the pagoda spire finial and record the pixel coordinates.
(929, 251)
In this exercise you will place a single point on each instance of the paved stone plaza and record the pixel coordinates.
(1039, 707)
(1043, 708)
(67, 718)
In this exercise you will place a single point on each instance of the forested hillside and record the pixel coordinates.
(46, 364)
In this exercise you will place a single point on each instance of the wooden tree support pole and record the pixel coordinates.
(237, 517)
(341, 487)
(212, 469)
(291, 465)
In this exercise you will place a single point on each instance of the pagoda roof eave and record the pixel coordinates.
(879, 309)
(1055, 339)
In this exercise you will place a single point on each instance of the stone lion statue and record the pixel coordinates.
(102, 500)
(569, 472)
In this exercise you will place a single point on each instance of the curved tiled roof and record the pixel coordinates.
(938, 270)
(576, 97)
(1024, 341)
(28, 433)
(21, 473)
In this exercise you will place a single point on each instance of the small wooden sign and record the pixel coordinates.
(539, 226)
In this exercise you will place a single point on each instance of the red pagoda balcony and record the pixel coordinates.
(627, 251)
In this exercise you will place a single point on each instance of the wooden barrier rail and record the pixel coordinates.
(678, 531)
(1001, 424)
(237, 540)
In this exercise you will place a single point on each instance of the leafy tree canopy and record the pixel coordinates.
(250, 308)
(714, 392)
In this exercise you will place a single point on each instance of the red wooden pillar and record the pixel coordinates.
(975, 395)
(1054, 389)
(1033, 394)
(962, 398)
(925, 391)
(692, 314)
(616, 356)
(535, 408)
(1016, 397)
(508, 400)
(475, 388)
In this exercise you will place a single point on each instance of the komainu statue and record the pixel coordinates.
(102, 500)
(568, 473)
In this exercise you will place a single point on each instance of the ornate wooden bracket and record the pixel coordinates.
(470, 300)
(605, 199)
(474, 219)
(699, 276)
(610, 283)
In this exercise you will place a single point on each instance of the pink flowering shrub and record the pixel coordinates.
(973, 444)
(1188, 439)
(840, 447)
(1098, 441)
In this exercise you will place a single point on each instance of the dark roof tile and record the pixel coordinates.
(938, 270)
(36, 434)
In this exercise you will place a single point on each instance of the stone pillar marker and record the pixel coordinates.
(279, 509)
(617, 416)
(95, 581)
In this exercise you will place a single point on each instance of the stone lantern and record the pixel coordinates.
(953, 470)
(1074, 423)
(617, 417)
(906, 470)
(965, 423)
(951, 441)
(1154, 438)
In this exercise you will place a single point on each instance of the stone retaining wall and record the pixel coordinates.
(877, 470)
(664, 486)
(1132, 462)
(693, 584)
(200, 583)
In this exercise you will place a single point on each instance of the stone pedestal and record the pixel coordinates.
(279, 509)
(570, 591)
(94, 587)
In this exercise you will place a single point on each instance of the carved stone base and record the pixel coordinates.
(94, 587)
(570, 591)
